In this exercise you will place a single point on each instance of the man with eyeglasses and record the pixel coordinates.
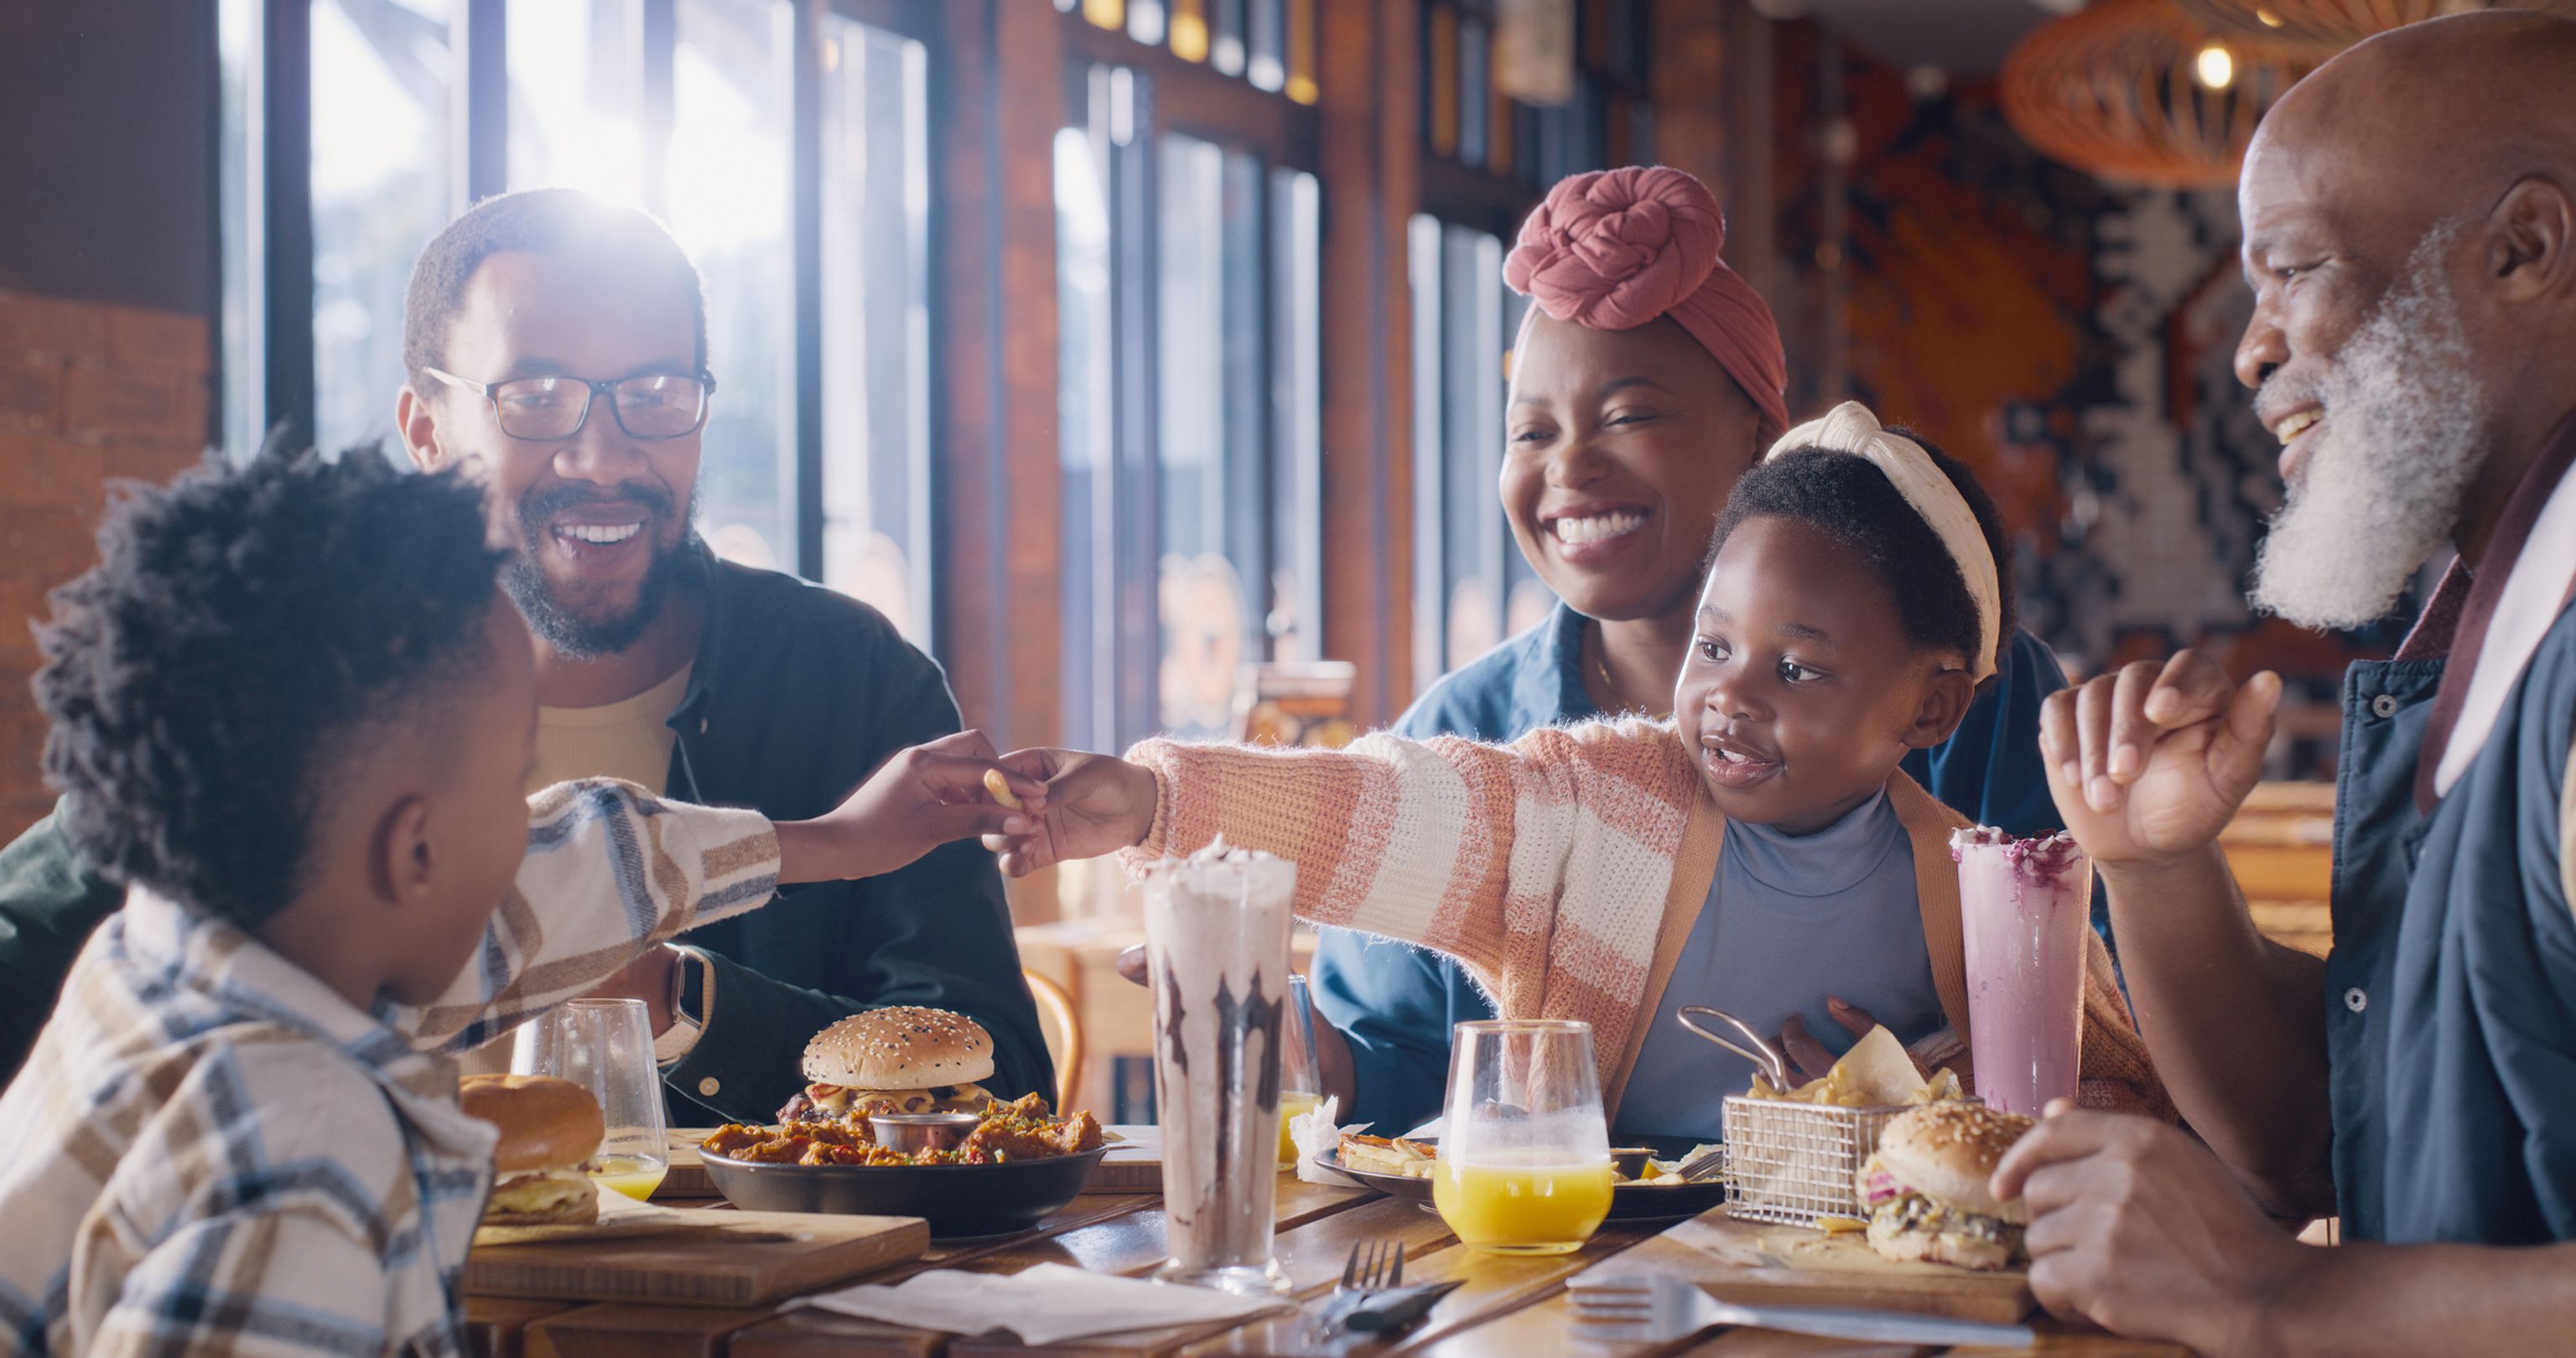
(557, 351)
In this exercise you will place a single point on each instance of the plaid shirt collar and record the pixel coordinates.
(213, 973)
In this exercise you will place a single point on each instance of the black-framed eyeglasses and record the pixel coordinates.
(548, 409)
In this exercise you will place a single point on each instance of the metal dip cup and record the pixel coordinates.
(912, 1132)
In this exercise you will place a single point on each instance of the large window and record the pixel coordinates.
(576, 105)
(876, 321)
(354, 129)
(1190, 387)
(1474, 120)
(1268, 43)
(381, 178)
(1472, 586)
(1489, 154)
(726, 185)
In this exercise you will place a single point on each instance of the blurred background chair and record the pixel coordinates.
(1063, 1028)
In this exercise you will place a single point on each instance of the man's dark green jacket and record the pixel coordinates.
(798, 694)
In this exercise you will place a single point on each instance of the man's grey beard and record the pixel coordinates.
(576, 634)
(2405, 431)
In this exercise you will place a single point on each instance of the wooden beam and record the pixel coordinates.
(1197, 99)
(1371, 170)
(1688, 78)
(1030, 97)
(998, 493)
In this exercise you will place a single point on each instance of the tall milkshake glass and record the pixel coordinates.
(1216, 946)
(2024, 905)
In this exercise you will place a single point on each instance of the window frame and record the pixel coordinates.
(280, 231)
(1166, 95)
(1608, 122)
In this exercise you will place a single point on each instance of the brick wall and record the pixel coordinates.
(90, 393)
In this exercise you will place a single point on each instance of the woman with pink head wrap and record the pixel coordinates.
(1617, 249)
(1646, 381)
(1647, 378)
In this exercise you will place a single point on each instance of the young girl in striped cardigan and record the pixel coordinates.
(1761, 852)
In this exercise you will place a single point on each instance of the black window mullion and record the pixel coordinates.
(1135, 497)
(285, 182)
(1243, 315)
(660, 40)
(1092, 548)
(481, 120)
(806, 228)
(1269, 461)
(1426, 247)
(1231, 34)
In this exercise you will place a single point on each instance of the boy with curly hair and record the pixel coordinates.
(292, 711)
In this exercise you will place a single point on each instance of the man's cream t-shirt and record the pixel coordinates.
(629, 740)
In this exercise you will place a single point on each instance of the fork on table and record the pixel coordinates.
(1371, 1298)
(1639, 1307)
(1376, 1265)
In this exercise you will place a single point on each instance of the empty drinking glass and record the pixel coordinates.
(606, 1047)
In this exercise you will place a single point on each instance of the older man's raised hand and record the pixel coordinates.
(2151, 761)
(2137, 1227)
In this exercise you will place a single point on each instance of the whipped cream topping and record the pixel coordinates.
(2043, 859)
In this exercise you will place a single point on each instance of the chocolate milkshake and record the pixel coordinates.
(1216, 941)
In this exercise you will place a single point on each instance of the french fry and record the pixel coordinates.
(1875, 1073)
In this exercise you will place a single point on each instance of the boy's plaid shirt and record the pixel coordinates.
(210, 1152)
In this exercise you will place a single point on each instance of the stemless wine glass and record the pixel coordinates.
(1301, 1083)
(1524, 1150)
(606, 1047)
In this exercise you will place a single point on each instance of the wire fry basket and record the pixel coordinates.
(1793, 1163)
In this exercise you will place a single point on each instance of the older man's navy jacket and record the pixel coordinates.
(2451, 992)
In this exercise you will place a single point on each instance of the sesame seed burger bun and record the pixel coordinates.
(1948, 1151)
(903, 1047)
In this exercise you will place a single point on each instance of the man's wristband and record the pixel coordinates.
(693, 987)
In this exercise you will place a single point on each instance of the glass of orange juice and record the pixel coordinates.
(606, 1047)
(1524, 1151)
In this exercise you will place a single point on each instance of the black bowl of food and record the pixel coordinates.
(893, 1122)
(956, 1199)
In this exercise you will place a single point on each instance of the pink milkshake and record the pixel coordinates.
(2024, 905)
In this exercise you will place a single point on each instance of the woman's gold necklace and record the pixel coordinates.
(1610, 686)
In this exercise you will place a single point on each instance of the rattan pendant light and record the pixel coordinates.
(2321, 28)
(2139, 92)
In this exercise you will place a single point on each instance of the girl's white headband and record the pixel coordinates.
(1850, 428)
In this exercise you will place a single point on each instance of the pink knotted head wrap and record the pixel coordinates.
(1615, 249)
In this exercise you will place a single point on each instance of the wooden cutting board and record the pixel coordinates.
(687, 1179)
(703, 1258)
(1134, 1163)
(1754, 1262)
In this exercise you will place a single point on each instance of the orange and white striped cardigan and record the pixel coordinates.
(1564, 870)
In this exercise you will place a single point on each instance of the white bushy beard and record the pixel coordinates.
(2405, 431)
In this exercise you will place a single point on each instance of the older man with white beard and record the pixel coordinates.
(2410, 219)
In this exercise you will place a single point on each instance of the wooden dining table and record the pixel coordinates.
(1507, 1305)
